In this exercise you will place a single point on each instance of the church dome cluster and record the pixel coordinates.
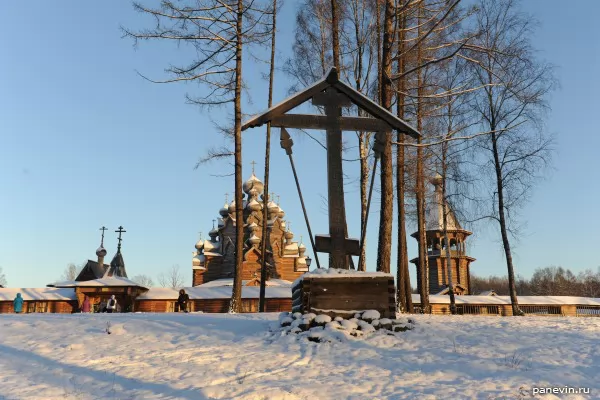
(222, 236)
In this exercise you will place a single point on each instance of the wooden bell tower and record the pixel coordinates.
(436, 251)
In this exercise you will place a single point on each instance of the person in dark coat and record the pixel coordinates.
(111, 306)
(18, 303)
(86, 306)
(183, 300)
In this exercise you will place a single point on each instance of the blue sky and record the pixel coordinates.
(85, 142)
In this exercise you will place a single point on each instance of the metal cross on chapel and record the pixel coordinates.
(332, 95)
(120, 231)
(102, 240)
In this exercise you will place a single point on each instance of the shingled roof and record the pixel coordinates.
(332, 80)
(92, 270)
(117, 266)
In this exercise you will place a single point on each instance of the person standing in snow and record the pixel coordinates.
(86, 306)
(18, 303)
(183, 300)
(111, 306)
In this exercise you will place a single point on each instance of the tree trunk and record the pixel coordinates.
(420, 195)
(236, 292)
(379, 66)
(335, 35)
(265, 217)
(445, 224)
(403, 290)
(363, 144)
(384, 248)
(505, 243)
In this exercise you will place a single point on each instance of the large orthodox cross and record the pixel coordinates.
(253, 165)
(336, 244)
(102, 240)
(120, 231)
(332, 95)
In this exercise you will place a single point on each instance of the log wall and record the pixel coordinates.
(50, 306)
(345, 295)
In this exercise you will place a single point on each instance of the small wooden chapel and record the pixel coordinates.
(99, 281)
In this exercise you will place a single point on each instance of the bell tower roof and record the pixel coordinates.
(434, 212)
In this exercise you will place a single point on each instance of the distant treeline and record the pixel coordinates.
(548, 281)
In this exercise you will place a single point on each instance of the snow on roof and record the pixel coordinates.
(229, 282)
(523, 300)
(434, 211)
(110, 281)
(29, 294)
(215, 292)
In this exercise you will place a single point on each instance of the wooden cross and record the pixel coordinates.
(336, 243)
(120, 231)
(102, 240)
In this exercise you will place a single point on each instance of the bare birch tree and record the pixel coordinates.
(214, 31)
(70, 273)
(511, 106)
(2, 278)
(144, 280)
(428, 34)
(172, 278)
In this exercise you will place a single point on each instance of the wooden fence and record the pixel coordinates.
(546, 310)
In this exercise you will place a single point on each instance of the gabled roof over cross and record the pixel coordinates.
(383, 119)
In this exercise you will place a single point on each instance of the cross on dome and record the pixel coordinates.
(102, 240)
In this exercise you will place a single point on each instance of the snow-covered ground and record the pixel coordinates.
(205, 356)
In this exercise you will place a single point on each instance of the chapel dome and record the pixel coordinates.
(253, 183)
(223, 212)
(436, 180)
(254, 205)
(101, 252)
(254, 240)
(199, 245)
(272, 207)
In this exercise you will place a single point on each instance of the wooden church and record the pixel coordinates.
(214, 259)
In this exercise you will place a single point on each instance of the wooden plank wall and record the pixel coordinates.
(348, 293)
(53, 306)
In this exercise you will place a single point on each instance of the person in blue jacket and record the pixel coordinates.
(18, 303)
